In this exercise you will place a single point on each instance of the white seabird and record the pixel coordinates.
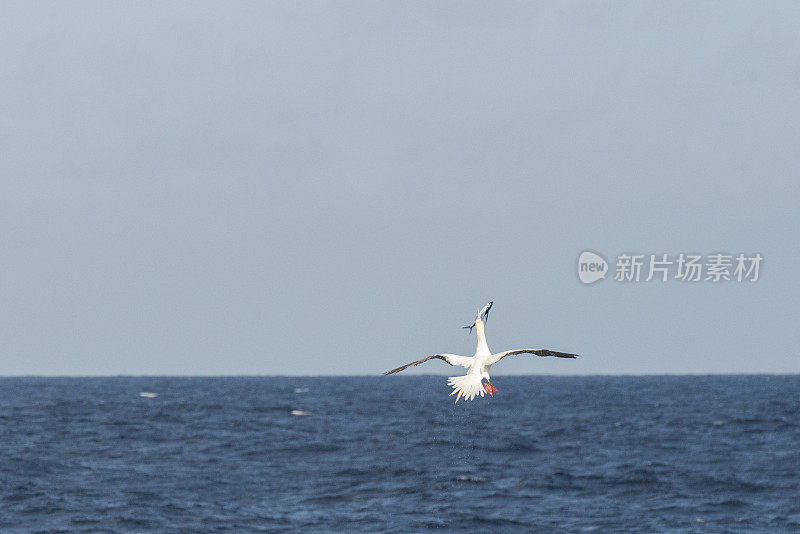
(471, 384)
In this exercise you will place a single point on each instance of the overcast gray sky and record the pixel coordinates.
(336, 187)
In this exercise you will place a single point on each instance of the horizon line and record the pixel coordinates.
(122, 375)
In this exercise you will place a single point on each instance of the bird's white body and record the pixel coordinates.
(471, 384)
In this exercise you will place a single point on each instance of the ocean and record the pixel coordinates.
(394, 454)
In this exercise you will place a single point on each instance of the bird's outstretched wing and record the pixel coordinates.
(539, 352)
(452, 359)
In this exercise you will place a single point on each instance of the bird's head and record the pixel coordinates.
(483, 316)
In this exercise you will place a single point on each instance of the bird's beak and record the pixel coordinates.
(485, 312)
(483, 315)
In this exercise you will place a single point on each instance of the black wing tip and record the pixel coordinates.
(423, 360)
(566, 355)
(548, 352)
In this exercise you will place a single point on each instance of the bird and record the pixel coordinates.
(471, 384)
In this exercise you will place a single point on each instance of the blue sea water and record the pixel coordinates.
(394, 454)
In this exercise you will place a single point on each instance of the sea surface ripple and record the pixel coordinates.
(394, 454)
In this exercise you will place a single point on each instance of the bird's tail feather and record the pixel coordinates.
(468, 386)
